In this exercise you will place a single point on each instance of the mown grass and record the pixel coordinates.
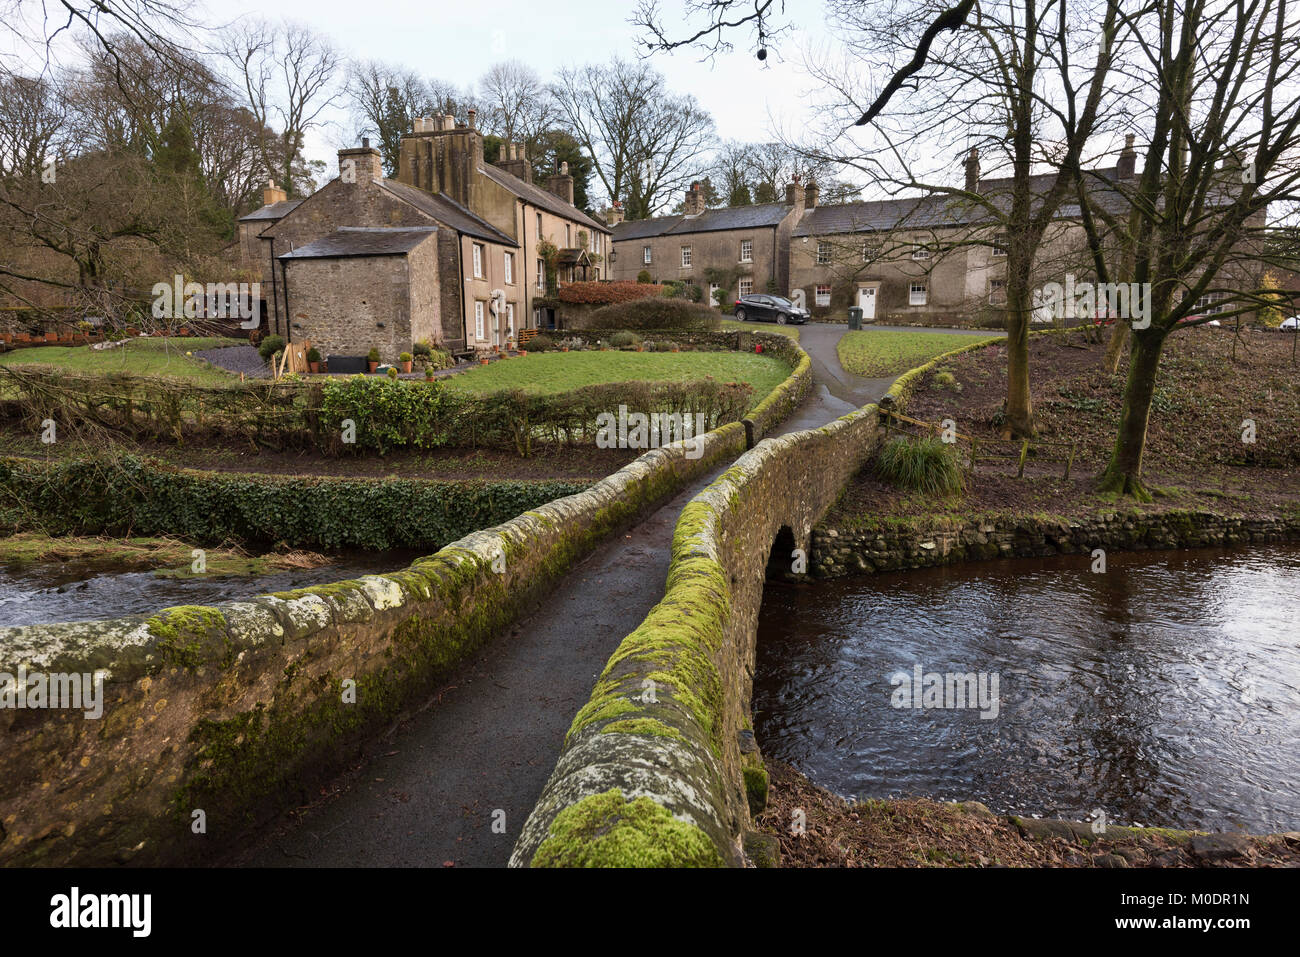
(551, 372)
(152, 356)
(873, 353)
(730, 325)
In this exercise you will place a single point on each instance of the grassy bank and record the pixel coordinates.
(874, 353)
(167, 556)
(151, 356)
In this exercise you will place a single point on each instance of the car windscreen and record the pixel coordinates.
(778, 301)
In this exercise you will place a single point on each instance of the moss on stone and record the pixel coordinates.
(190, 636)
(604, 830)
(756, 784)
(648, 726)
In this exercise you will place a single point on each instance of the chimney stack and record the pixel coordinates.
(795, 194)
(473, 118)
(273, 194)
(561, 184)
(694, 203)
(514, 160)
(972, 164)
(810, 195)
(1127, 163)
(361, 164)
(614, 215)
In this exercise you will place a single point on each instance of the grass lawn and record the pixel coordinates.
(874, 353)
(152, 356)
(791, 331)
(548, 372)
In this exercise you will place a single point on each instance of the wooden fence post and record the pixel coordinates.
(1024, 453)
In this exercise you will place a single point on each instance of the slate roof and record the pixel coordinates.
(363, 241)
(538, 196)
(759, 216)
(447, 211)
(273, 211)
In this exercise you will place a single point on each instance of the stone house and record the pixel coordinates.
(470, 250)
(738, 250)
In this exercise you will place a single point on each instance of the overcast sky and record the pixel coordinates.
(458, 41)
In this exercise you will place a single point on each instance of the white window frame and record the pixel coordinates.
(478, 320)
(999, 245)
(539, 225)
(1211, 304)
(997, 286)
(713, 287)
(918, 249)
(510, 318)
(871, 248)
(917, 288)
(541, 275)
(747, 250)
(568, 236)
(510, 268)
(822, 298)
(823, 254)
(647, 255)
(478, 260)
(686, 256)
(740, 287)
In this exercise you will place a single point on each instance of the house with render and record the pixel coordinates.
(452, 251)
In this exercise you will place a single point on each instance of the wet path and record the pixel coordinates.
(488, 739)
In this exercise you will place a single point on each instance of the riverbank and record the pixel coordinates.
(923, 833)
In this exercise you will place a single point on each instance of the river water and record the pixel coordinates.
(1164, 691)
(47, 592)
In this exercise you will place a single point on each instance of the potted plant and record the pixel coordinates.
(313, 359)
(406, 360)
(392, 372)
(428, 373)
(51, 337)
(483, 360)
(373, 359)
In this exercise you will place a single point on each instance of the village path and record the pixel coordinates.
(489, 736)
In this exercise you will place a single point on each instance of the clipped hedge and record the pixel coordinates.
(131, 497)
(607, 293)
(677, 315)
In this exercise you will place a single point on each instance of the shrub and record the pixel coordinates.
(422, 349)
(664, 314)
(606, 293)
(392, 372)
(541, 343)
(944, 379)
(673, 289)
(313, 354)
(373, 355)
(404, 357)
(721, 296)
(926, 465)
(623, 340)
(643, 277)
(270, 346)
(693, 292)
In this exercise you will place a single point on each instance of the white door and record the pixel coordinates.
(867, 302)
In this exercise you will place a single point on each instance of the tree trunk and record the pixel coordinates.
(1115, 346)
(1124, 472)
(1020, 404)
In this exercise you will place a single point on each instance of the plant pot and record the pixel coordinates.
(314, 366)
(522, 353)
(51, 337)
(406, 366)
(675, 349)
(484, 362)
(184, 331)
(565, 349)
(373, 365)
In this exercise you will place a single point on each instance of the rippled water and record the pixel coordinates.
(50, 591)
(1165, 691)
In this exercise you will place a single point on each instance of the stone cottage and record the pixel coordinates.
(453, 251)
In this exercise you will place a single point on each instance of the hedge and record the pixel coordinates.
(661, 313)
(606, 293)
(131, 497)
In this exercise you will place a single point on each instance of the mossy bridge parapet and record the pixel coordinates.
(237, 709)
(660, 768)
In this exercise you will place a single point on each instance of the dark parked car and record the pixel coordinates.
(769, 309)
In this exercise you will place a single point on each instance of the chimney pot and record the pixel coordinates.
(473, 117)
(365, 142)
(1127, 163)
(972, 164)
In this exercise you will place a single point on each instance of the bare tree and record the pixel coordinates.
(32, 116)
(647, 143)
(516, 105)
(288, 76)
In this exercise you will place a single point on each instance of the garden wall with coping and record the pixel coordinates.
(660, 767)
(230, 713)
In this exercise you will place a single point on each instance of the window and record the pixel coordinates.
(916, 295)
(997, 292)
(1208, 305)
(713, 287)
(1000, 244)
(746, 287)
(918, 250)
(539, 225)
(686, 256)
(478, 261)
(568, 236)
(478, 319)
(541, 274)
(823, 254)
(871, 250)
(510, 317)
(645, 255)
(823, 295)
(510, 267)
(747, 250)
